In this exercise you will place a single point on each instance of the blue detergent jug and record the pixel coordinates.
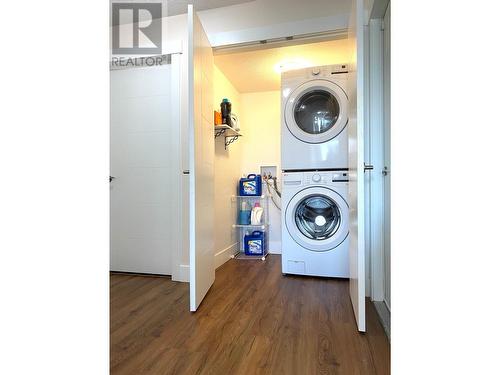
(255, 243)
(251, 185)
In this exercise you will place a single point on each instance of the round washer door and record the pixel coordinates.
(317, 218)
(316, 111)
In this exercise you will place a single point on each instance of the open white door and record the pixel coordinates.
(201, 162)
(356, 164)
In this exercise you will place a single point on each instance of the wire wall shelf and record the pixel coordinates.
(230, 135)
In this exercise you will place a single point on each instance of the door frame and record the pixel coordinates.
(176, 116)
(376, 124)
(376, 141)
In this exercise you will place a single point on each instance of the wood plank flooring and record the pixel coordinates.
(254, 320)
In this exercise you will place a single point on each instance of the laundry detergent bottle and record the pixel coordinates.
(256, 216)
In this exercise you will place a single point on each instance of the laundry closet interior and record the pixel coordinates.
(176, 199)
(251, 79)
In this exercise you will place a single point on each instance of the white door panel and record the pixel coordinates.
(201, 162)
(147, 113)
(145, 163)
(140, 82)
(356, 164)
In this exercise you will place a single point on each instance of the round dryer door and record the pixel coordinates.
(317, 219)
(316, 111)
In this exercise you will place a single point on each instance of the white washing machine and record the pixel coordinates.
(314, 117)
(315, 224)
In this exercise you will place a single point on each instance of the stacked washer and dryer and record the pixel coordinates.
(314, 162)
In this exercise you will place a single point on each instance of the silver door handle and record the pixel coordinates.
(368, 167)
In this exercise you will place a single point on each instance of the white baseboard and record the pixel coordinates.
(183, 274)
(274, 247)
(224, 255)
(384, 315)
(221, 257)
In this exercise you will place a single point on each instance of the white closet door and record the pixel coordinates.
(144, 165)
(201, 162)
(356, 164)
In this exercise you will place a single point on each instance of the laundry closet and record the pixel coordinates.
(250, 77)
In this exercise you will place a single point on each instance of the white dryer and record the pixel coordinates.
(314, 117)
(315, 224)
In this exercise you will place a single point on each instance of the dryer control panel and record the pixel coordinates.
(327, 70)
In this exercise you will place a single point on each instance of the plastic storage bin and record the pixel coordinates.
(251, 185)
(255, 243)
(245, 213)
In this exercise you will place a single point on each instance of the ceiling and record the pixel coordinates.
(260, 70)
(175, 7)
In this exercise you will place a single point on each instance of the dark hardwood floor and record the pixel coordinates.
(254, 320)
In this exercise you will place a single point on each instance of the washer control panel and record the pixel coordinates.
(314, 177)
(320, 177)
(292, 178)
(340, 176)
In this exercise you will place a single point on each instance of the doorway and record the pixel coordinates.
(380, 147)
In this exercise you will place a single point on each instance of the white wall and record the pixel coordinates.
(174, 34)
(227, 174)
(260, 123)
